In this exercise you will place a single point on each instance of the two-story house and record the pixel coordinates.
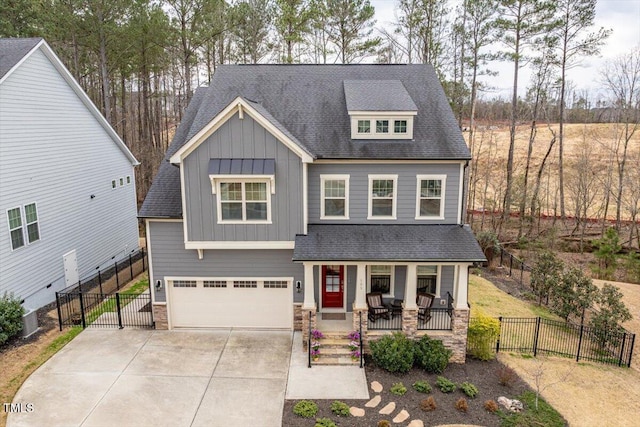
(67, 184)
(292, 191)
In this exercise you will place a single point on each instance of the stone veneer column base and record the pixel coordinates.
(459, 326)
(410, 322)
(357, 314)
(297, 317)
(160, 316)
(307, 316)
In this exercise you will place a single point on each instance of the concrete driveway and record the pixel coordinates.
(160, 378)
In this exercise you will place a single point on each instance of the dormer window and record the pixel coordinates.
(379, 109)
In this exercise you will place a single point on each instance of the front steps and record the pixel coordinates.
(334, 350)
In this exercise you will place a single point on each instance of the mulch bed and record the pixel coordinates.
(481, 374)
(46, 322)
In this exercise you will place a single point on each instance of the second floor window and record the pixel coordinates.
(382, 196)
(17, 225)
(15, 228)
(382, 126)
(335, 196)
(428, 279)
(381, 279)
(430, 200)
(244, 202)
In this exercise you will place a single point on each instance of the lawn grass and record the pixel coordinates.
(485, 297)
(544, 415)
(110, 304)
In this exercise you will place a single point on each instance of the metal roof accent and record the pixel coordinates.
(242, 167)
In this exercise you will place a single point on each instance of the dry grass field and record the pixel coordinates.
(586, 394)
(587, 159)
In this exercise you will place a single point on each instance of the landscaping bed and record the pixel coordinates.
(484, 375)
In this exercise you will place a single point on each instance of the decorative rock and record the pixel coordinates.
(512, 405)
(388, 409)
(416, 423)
(401, 417)
(376, 386)
(373, 402)
(356, 412)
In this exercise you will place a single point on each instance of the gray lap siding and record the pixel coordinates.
(170, 259)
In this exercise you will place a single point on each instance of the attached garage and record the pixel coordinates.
(230, 303)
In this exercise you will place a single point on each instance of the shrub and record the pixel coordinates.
(489, 243)
(428, 404)
(612, 312)
(305, 409)
(398, 389)
(545, 275)
(445, 385)
(341, 409)
(461, 405)
(384, 423)
(491, 406)
(482, 335)
(432, 355)
(422, 386)
(393, 353)
(325, 422)
(469, 389)
(506, 376)
(11, 312)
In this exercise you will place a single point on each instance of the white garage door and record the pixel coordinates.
(235, 302)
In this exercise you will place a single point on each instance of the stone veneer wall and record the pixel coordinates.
(160, 316)
(357, 313)
(297, 317)
(308, 316)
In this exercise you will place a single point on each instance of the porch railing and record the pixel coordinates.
(440, 319)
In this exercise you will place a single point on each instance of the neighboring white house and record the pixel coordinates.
(67, 188)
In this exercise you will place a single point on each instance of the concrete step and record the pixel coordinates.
(335, 351)
(326, 359)
(336, 335)
(334, 342)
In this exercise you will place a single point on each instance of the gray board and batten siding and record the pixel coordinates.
(242, 139)
(406, 189)
(54, 152)
(169, 258)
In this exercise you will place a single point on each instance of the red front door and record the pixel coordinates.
(332, 286)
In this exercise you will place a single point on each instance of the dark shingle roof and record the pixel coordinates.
(13, 50)
(377, 95)
(387, 243)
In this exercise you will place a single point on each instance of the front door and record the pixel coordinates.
(332, 286)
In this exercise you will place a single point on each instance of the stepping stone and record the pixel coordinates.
(356, 412)
(416, 423)
(373, 402)
(387, 410)
(401, 417)
(376, 387)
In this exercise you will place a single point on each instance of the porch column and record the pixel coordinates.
(361, 287)
(461, 288)
(411, 287)
(309, 299)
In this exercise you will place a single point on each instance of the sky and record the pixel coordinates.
(621, 16)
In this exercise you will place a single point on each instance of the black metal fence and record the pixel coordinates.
(538, 335)
(517, 267)
(95, 300)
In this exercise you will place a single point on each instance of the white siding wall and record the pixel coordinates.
(54, 152)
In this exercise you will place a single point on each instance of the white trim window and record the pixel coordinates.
(381, 279)
(31, 219)
(244, 201)
(400, 126)
(430, 196)
(382, 126)
(382, 196)
(364, 126)
(14, 219)
(114, 185)
(128, 179)
(334, 196)
(428, 279)
(121, 181)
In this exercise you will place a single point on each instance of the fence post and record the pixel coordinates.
(119, 312)
(499, 335)
(501, 253)
(142, 253)
(130, 267)
(100, 283)
(84, 322)
(624, 341)
(535, 341)
(510, 264)
(117, 278)
(580, 342)
(633, 340)
(521, 272)
(59, 312)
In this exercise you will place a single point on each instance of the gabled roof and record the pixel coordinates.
(388, 242)
(377, 95)
(13, 52)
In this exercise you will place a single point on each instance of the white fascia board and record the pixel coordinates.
(396, 114)
(71, 81)
(237, 105)
(280, 244)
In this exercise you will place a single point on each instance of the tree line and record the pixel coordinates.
(140, 61)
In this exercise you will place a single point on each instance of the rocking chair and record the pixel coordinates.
(377, 308)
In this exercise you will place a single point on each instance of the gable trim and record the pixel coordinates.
(240, 106)
(84, 98)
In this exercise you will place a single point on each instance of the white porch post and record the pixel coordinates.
(309, 299)
(361, 287)
(411, 287)
(461, 287)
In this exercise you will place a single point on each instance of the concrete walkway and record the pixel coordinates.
(323, 382)
(160, 378)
